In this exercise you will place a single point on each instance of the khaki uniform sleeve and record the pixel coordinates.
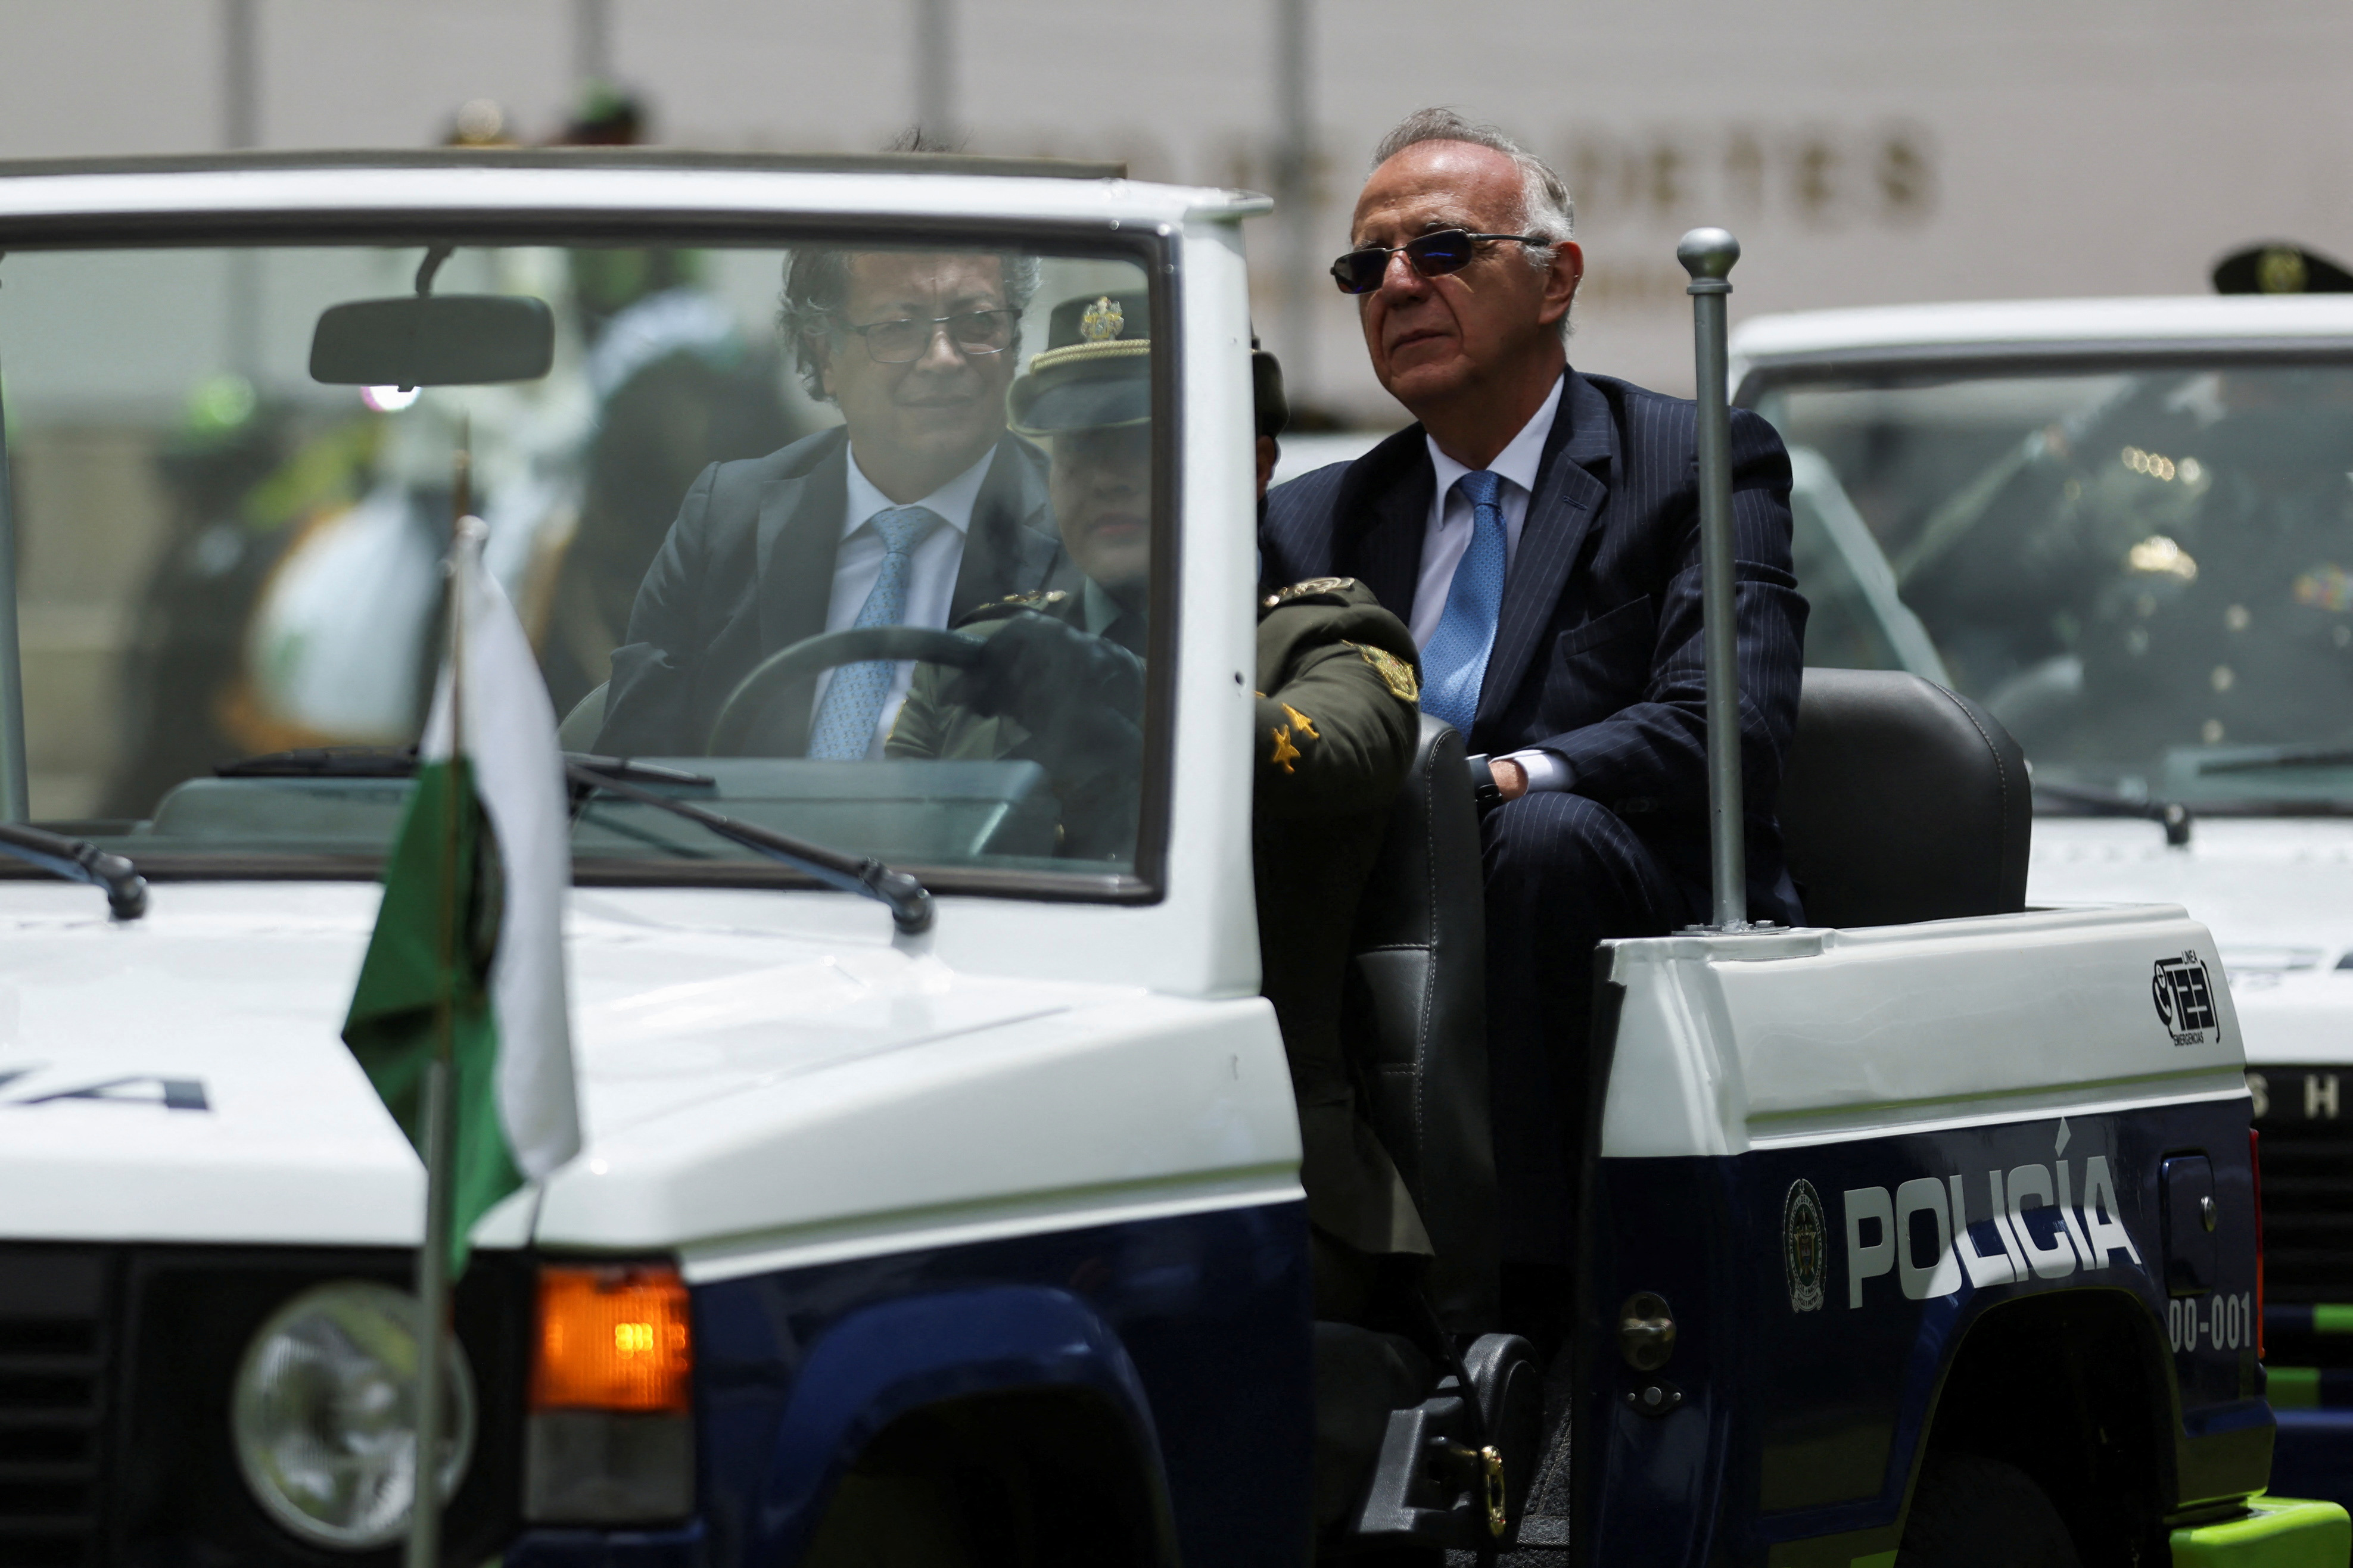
(917, 733)
(1337, 736)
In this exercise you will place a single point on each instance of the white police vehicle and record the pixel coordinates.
(970, 1231)
(2125, 527)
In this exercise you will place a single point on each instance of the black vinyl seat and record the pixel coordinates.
(1415, 1018)
(1902, 801)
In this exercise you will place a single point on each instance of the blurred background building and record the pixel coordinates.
(1864, 154)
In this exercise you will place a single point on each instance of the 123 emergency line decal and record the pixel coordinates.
(2184, 993)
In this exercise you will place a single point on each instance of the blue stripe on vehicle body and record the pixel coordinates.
(679, 1548)
(1832, 1402)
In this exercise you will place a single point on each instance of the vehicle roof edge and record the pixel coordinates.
(985, 164)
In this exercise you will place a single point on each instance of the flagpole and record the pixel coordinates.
(433, 1257)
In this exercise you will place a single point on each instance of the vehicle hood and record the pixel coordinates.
(183, 1078)
(2277, 893)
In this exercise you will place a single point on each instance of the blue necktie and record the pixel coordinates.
(1455, 662)
(844, 730)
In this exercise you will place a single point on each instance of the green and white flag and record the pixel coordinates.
(472, 919)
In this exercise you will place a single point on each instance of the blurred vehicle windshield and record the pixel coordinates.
(2147, 573)
(229, 575)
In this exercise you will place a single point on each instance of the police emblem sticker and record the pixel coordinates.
(1102, 320)
(1395, 672)
(1805, 1246)
(2183, 990)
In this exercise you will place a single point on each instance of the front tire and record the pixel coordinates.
(1969, 1511)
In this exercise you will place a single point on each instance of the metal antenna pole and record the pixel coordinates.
(592, 41)
(1707, 254)
(1294, 182)
(935, 105)
(240, 104)
(441, 1143)
(432, 1298)
(240, 128)
(16, 797)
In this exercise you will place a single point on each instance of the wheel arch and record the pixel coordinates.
(2073, 1388)
(1032, 1369)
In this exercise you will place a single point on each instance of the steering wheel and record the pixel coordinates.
(860, 645)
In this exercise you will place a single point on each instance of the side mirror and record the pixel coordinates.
(447, 340)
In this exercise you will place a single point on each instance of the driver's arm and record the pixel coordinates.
(648, 700)
(920, 731)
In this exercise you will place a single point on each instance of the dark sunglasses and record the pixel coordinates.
(1431, 254)
(906, 339)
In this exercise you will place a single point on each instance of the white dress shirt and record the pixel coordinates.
(930, 583)
(1447, 537)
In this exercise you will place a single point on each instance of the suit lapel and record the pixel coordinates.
(1382, 517)
(1568, 495)
(1009, 548)
(799, 535)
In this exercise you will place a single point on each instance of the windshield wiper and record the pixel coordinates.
(909, 902)
(324, 762)
(79, 860)
(2094, 800)
(2282, 757)
(400, 762)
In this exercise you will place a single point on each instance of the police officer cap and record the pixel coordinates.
(1094, 372)
(2280, 268)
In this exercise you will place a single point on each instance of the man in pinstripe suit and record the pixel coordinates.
(1538, 530)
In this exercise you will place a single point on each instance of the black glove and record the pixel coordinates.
(1081, 699)
(1044, 673)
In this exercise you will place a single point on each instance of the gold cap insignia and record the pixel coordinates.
(2281, 271)
(1102, 320)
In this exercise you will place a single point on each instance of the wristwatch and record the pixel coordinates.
(1484, 791)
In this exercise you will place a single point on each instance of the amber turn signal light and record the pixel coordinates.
(612, 1338)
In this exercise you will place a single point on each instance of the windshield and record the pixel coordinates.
(229, 573)
(2147, 573)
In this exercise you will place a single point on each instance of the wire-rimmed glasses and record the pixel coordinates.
(904, 339)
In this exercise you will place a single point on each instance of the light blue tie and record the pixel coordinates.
(844, 730)
(1455, 662)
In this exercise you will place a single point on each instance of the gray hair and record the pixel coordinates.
(817, 286)
(1546, 210)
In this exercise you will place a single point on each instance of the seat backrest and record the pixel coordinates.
(1416, 1020)
(1902, 801)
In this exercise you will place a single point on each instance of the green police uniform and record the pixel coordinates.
(1338, 712)
(1332, 736)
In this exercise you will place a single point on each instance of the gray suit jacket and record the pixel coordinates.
(748, 570)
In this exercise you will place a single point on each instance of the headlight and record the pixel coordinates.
(325, 1415)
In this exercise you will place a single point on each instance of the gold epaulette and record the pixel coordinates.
(1039, 599)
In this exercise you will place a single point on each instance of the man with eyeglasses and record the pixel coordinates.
(1538, 529)
(916, 509)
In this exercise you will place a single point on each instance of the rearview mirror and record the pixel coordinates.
(446, 340)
